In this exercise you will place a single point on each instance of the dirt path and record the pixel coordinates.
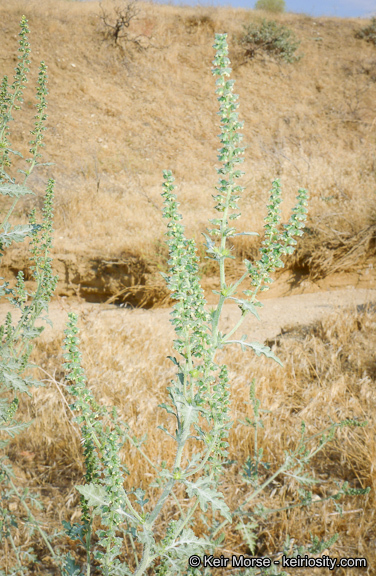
(276, 314)
(299, 310)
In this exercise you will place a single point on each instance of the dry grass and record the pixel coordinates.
(118, 117)
(329, 374)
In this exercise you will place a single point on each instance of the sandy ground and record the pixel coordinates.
(276, 316)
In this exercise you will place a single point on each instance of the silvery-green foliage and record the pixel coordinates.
(16, 336)
(272, 38)
(198, 406)
(368, 33)
(271, 5)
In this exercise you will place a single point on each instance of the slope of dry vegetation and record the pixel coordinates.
(119, 116)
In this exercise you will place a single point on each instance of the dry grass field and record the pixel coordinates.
(117, 117)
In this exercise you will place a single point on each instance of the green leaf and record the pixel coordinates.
(70, 567)
(246, 306)
(161, 427)
(15, 152)
(94, 494)
(187, 541)
(188, 538)
(14, 381)
(75, 531)
(32, 332)
(249, 533)
(14, 190)
(303, 478)
(17, 234)
(193, 461)
(188, 412)
(167, 408)
(146, 537)
(15, 428)
(257, 347)
(206, 494)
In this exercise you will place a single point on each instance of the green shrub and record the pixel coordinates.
(368, 33)
(271, 5)
(272, 38)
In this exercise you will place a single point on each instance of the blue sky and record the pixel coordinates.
(339, 8)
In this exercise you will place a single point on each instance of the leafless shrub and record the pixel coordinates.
(199, 22)
(116, 26)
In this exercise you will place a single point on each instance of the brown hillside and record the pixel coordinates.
(119, 116)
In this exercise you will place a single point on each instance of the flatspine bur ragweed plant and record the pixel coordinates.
(17, 336)
(199, 395)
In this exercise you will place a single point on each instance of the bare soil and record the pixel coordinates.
(277, 315)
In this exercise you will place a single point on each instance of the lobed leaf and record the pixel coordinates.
(14, 190)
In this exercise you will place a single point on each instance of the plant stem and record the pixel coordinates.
(237, 325)
(15, 550)
(31, 515)
(253, 495)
